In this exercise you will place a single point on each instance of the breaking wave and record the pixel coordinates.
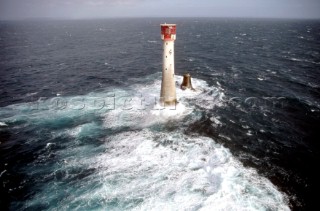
(119, 149)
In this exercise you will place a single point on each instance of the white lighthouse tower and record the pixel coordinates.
(168, 88)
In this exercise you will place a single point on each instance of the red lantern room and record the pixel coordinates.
(168, 32)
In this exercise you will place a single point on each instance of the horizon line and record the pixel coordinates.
(155, 17)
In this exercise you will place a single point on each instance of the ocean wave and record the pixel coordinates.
(146, 170)
(136, 165)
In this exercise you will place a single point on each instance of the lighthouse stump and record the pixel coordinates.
(186, 82)
(168, 88)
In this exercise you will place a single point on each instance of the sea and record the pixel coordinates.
(81, 126)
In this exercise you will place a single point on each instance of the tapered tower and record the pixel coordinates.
(168, 88)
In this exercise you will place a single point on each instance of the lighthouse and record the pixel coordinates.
(168, 88)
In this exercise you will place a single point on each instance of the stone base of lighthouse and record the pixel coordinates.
(167, 98)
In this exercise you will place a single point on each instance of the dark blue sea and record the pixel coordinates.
(81, 127)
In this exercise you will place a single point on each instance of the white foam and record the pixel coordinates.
(215, 121)
(144, 168)
(190, 59)
(4, 171)
(74, 132)
(176, 111)
(249, 133)
(145, 109)
(166, 171)
(137, 104)
(48, 145)
(204, 96)
(3, 124)
(296, 59)
(31, 94)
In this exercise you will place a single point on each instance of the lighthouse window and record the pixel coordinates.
(166, 43)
